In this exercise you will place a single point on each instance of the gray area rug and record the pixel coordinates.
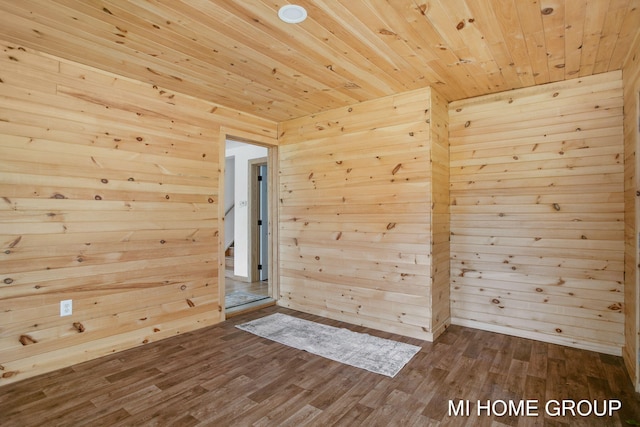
(237, 298)
(379, 355)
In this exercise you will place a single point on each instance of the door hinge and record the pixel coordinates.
(259, 222)
(259, 266)
(259, 177)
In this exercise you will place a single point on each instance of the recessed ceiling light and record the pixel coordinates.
(292, 13)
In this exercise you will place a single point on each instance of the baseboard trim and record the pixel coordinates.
(583, 345)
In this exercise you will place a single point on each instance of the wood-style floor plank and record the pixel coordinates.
(223, 376)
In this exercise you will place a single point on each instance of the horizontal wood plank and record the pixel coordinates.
(537, 212)
(109, 192)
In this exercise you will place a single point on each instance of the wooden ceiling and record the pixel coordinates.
(238, 53)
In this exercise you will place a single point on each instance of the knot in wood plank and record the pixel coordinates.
(27, 340)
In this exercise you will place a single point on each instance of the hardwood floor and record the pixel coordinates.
(223, 376)
(258, 288)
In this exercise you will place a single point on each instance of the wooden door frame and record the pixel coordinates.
(254, 209)
(272, 188)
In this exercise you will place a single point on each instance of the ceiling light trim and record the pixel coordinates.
(292, 14)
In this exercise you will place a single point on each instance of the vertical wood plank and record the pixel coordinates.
(631, 80)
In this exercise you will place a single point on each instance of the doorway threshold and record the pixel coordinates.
(245, 308)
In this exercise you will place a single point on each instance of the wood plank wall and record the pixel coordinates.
(108, 197)
(357, 223)
(631, 80)
(440, 230)
(537, 213)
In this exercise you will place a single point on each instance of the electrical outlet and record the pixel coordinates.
(66, 307)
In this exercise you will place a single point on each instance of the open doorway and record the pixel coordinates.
(247, 227)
